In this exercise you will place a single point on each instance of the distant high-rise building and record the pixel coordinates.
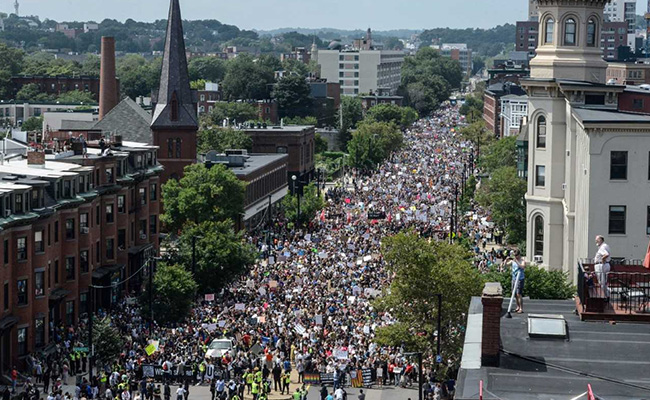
(16, 7)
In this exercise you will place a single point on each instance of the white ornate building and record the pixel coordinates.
(589, 165)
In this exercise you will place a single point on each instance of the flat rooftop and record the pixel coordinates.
(255, 162)
(283, 129)
(590, 115)
(614, 359)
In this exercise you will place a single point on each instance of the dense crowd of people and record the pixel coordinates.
(306, 306)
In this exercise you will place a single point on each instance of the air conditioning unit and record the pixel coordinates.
(84, 230)
(538, 259)
(143, 236)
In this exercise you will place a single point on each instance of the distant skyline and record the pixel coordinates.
(273, 14)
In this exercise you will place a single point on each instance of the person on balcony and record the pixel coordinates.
(601, 261)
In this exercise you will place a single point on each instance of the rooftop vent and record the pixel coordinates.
(547, 326)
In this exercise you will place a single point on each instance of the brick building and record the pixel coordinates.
(296, 141)
(68, 221)
(628, 73)
(208, 97)
(492, 104)
(57, 85)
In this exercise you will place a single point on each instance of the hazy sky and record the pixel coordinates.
(269, 14)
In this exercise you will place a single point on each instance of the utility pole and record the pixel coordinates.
(151, 260)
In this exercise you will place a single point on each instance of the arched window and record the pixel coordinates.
(178, 147)
(591, 33)
(170, 148)
(538, 249)
(541, 132)
(570, 32)
(548, 31)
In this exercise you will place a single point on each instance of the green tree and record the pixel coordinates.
(202, 194)
(427, 95)
(540, 283)
(499, 153)
(235, 112)
(211, 69)
(246, 79)
(472, 108)
(402, 116)
(106, 340)
(11, 61)
(308, 120)
(321, 144)
(297, 67)
(292, 94)
(310, 204)
(393, 43)
(503, 194)
(350, 113)
(174, 290)
(138, 77)
(91, 65)
(31, 92)
(372, 142)
(221, 254)
(76, 96)
(420, 270)
(32, 124)
(222, 139)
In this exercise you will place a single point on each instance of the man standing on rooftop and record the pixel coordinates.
(601, 261)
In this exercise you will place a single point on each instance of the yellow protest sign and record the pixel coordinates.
(150, 349)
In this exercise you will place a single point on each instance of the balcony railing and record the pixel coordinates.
(625, 297)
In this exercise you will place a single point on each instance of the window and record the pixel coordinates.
(97, 216)
(39, 283)
(541, 132)
(617, 220)
(281, 150)
(142, 193)
(174, 108)
(110, 178)
(549, 28)
(69, 228)
(109, 213)
(121, 201)
(6, 295)
(21, 248)
(22, 341)
(591, 33)
(143, 229)
(152, 224)
(19, 203)
(56, 231)
(539, 236)
(83, 223)
(83, 303)
(110, 250)
(22, 292)
(170, 148)
(69, 269)
(540, 175)
(618, 165)
(97, 251)
(637, 104)
(153, 192)
(66, 189)
(6, 251)
(39, 332)
(178, 147)
(69, 312)
(570, 32)
(121, 239)
(56, 272)
(39, 244)
(83, 261)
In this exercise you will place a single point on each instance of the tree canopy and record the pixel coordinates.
(352, 113)
(202, 194)
(422, 269)
(174, 291)
(247, 79)
(402, 116)
(372, 142)
(222, 139)
(234, 112)
(310, 204)
(292, 94)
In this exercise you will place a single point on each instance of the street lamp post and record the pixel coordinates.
(296, 191)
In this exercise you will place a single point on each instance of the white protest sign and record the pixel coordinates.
(240, 306)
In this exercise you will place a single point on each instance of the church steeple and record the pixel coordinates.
(175, 106)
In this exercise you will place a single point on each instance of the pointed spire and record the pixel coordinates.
(175, 106)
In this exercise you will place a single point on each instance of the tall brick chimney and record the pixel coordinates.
(107, 80)
(492, 299)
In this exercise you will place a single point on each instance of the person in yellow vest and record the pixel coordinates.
(248, 376)
(258, 376)
(255, 390)
(297, 395)
(285, 382)
(235, 397)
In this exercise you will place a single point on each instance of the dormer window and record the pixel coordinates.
(19, 203)
(570, 32)
(66, 189)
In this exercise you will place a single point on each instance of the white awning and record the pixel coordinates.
(263, 203)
